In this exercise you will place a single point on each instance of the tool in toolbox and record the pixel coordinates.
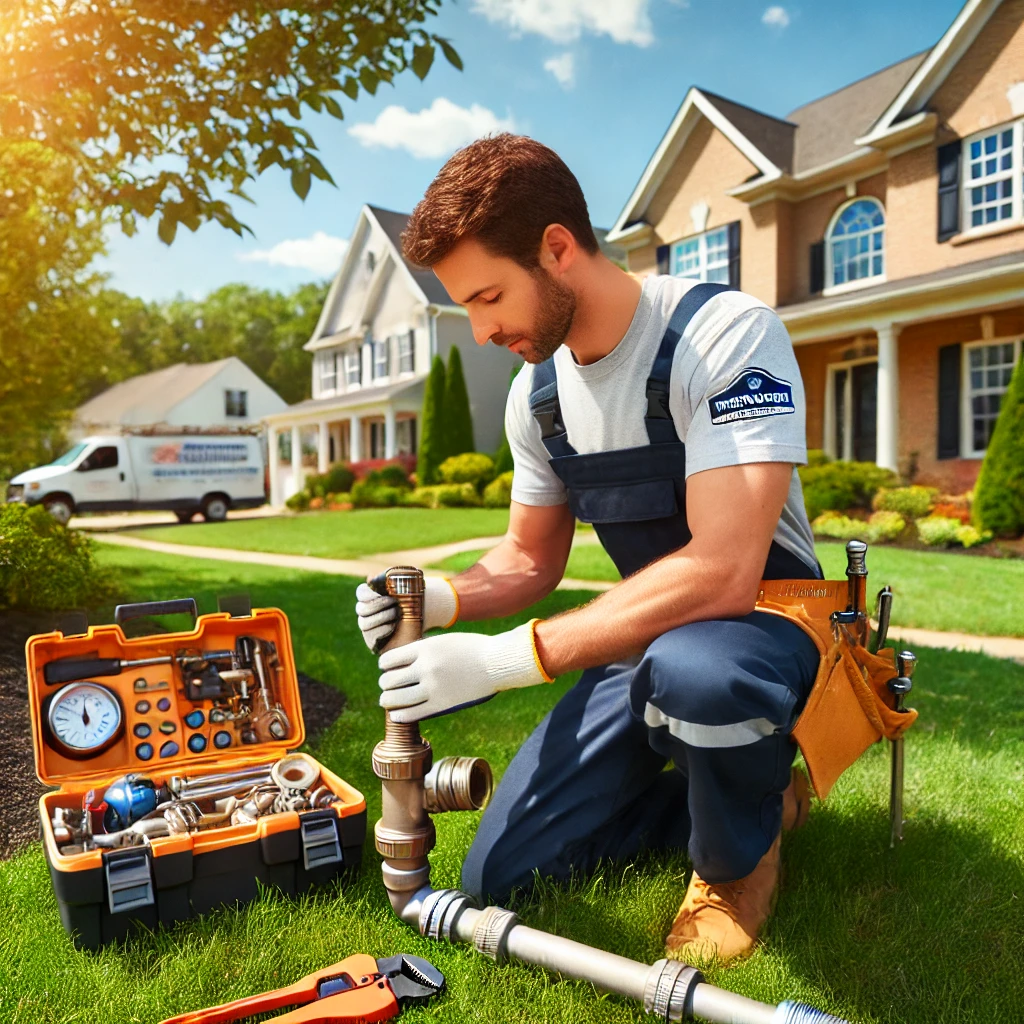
(357, 989)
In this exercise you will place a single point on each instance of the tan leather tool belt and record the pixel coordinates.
(850, 706)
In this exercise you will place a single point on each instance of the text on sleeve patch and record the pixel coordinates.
(752, 394)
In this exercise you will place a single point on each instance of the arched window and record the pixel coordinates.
(856, 243)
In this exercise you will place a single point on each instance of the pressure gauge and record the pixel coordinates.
(84, 719)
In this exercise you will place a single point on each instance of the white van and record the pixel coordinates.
(183, 473)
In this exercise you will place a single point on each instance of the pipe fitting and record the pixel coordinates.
(439, 911)
(668, 993)
(408, 843)
(458, 784)
(490, 934)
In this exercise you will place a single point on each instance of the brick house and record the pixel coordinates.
(885, 223)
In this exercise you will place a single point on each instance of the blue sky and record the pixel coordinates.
(598, 80)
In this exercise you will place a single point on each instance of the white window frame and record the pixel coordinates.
(863, 282)
(967, 449)
(1016, 180)
(704, 266)
(379, 358)
(829, 430)
(406, 352)
(352, 357)
(326, 361)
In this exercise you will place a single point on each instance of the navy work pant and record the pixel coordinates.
(716, 698)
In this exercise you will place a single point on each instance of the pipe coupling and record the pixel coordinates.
(440, 911)
(401, 761)
(407, 844)
(668, 993)
(404, 880)
(458, 784)
(490, 935)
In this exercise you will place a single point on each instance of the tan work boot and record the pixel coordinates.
(796, 801)
(724, 920)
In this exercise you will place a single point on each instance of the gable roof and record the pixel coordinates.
(773, 136)
(149, 397)
(393, 224)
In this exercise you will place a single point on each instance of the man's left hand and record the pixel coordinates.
(445, 673)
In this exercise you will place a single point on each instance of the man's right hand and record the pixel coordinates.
(378, 616)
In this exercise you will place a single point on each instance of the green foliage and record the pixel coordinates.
(999, 493)
(392, 475)
(448, 496)
(44, 564)
(373, 494)
(432, 437)
(298, 502)
(942, 530)
(418, 498)
(458, 420)
(339, 478)
(503, 461)
(468, 468)
(837, 486)
(909, 502)
(498, 493)
(816, 457)
(881, 526)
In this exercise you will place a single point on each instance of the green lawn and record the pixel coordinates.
(931, 933)
(933, 589)
(339, 534)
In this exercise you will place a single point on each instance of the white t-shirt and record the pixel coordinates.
(735, 396)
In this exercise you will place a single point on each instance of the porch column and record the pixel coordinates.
(297, 476)
(355, 439)
(274, 467)
(323, 460)
(887, 422)
(390, 433)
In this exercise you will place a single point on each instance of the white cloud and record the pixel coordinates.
(320, 253)
(563, 67)
(434, 132)
(563, 21)
(775, 17)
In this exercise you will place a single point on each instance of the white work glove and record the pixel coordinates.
(378, 616)
(454, 670)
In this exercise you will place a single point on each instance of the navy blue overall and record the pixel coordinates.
(717, 698)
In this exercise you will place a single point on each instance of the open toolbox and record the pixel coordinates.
(177, 786)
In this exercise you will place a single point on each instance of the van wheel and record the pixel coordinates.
(215, 510)
(184, 517)
(60, 509)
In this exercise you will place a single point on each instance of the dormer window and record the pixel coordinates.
(855, 245)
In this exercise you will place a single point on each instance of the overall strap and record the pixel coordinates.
(547, 411)
(660, 429)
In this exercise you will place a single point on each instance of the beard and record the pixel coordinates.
(556, 305)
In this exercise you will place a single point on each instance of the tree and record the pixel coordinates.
(503, 461)
(999, 493)
(458, 420)
(161, 106)
(432, 435)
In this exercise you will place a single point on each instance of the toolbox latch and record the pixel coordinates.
(129, 880)
(319, 835)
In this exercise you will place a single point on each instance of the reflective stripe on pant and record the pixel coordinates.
(717, 698)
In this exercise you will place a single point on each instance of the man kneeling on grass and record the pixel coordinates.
(670, 414)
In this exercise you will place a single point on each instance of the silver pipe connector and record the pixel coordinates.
(458, 784)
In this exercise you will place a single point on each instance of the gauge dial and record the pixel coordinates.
(84, 719)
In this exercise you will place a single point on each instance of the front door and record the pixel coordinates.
(855, 411)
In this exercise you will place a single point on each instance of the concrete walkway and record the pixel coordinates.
(95, 523)
(368, 565)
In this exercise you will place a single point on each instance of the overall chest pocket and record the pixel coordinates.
(624, 503)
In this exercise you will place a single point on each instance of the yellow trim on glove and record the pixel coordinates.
(458, 605)
(536, 655)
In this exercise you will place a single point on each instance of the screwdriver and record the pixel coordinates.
(67, 670)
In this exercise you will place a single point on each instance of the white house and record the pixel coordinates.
(225, 393)
(382, 324)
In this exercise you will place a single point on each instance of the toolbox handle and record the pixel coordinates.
(181, 606)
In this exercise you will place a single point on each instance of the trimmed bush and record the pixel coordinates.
(458, 420)
(911, 502)
(881, 526)
(940, 530)
(367, 494)
(837, 486)
(469, 468)
(339, 478)
(44, 564)
(999, 493)
(498, 493)
(392, 475)
(503, 456)
(816, 457)
(415, 499)
(447, 496)
(433, 440)
(298, 502)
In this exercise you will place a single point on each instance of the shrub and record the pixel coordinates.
(315, 504)
(999, 493)
(367, 494)
(470, 468)
(935, 530)
(339, 478)
(298, 502)
(458, 420)
(498, 493)
(391, 475)
(44, 564)
(952, 510)
(816, 457)
(366, 466)
(447, 496)
(416, 498)
(881, 526)
(910, 502)
(836, 486)
(433, 439)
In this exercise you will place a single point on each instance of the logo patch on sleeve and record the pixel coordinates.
(752, 394)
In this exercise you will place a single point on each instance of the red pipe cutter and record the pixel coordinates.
(358, 989)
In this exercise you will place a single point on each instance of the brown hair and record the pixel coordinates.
(504, 190)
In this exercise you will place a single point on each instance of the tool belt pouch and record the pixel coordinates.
(850, 706)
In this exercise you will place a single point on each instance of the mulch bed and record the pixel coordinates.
(19, 814)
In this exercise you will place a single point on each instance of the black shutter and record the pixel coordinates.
(412, 357)
(949, 402)
(949, 189)
(663, 259)
(817, 267)
(734, 254)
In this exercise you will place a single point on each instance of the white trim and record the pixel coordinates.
(967, 450)
(703, 267)
(864, 282)
(829, 427)
(711, 737)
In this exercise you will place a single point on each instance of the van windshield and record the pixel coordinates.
(69, 456)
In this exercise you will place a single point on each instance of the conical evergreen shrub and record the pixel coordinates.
(503, 462)
(458, 419)
(999, 493)
(433, 439)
